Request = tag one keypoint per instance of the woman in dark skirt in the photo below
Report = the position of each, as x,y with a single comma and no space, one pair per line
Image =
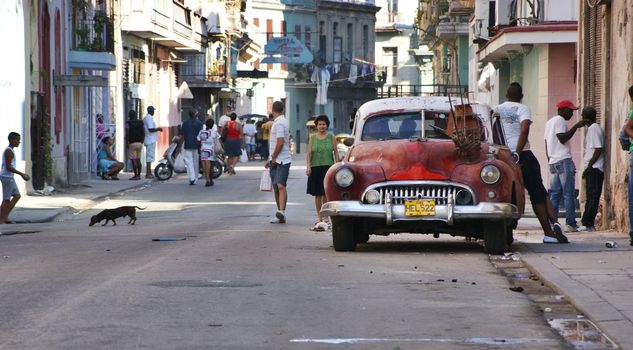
321,155
234,142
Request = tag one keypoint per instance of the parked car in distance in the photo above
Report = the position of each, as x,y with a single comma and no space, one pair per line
424,165
341,147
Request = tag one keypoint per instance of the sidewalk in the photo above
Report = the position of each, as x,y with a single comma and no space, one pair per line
597,280
39,209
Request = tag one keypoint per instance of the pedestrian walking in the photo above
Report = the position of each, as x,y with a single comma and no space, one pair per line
515,120
561,164
151,137
134,136
190,129
234,142
224,118
628,129
593,165
268,123
280,159
207,138
10,191
322,153
249,138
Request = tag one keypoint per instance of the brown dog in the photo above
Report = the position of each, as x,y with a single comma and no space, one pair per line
111,214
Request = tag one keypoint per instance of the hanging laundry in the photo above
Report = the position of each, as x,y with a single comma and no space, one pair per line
353,73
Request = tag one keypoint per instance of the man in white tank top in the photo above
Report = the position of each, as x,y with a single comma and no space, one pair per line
10,192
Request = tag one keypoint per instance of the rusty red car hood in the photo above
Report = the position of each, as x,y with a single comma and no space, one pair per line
410,160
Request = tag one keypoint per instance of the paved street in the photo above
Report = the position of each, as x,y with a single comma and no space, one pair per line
238,282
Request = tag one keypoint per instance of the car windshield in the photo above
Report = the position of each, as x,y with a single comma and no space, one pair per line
405,126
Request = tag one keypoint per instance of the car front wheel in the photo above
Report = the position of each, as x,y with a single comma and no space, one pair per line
495,237
343,234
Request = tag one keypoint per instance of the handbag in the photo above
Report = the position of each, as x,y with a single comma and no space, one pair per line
265,182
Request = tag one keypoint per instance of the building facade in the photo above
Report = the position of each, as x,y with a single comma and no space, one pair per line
406,67
604,76
533,43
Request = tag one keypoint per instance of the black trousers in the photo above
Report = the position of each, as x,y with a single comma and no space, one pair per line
593,187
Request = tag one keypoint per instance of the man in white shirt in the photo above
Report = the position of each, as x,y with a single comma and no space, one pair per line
151,136
515,120
249,137
224,119
561,164
279,163
593,165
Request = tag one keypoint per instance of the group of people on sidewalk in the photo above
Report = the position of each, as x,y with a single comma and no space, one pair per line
515,120
138,133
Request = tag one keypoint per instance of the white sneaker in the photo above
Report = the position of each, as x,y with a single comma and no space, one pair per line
274,220
571,228
280,216
587,228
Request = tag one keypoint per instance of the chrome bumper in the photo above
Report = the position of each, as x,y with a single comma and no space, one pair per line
448,213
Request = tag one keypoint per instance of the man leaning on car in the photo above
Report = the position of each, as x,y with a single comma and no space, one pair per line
515,119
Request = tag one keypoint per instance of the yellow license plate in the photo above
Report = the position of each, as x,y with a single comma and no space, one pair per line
419,207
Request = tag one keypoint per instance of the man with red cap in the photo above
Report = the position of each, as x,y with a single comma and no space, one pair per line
561,164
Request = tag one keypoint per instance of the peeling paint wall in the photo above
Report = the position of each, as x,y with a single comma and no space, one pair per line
617,31
620,105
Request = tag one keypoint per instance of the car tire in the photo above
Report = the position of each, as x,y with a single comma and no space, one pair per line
361,236
509,235
495,237
343,234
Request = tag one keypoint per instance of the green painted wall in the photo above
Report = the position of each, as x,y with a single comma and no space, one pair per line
462,59
530,77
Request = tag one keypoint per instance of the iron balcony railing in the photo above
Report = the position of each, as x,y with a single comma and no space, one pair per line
95,35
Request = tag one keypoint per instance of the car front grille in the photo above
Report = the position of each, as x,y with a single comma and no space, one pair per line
400,192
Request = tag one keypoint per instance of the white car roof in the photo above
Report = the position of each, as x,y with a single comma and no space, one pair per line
415,104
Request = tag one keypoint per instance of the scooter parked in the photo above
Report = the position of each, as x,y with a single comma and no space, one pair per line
167,166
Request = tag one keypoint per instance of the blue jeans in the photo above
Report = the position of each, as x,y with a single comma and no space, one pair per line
563,174
631,195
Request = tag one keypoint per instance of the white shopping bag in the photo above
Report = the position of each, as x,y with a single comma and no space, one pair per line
179,163
265,182
244,157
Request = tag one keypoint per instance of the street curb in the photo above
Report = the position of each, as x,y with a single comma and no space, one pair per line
610,321
93,202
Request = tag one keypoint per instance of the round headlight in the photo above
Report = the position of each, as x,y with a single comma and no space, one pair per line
372,196
344,177
463,197
490,174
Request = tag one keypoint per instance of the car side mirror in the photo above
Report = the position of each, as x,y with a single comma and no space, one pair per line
349,141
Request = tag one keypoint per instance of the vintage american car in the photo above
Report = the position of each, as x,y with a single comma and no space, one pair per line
424,165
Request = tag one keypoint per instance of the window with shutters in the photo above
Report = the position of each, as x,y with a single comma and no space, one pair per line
593,64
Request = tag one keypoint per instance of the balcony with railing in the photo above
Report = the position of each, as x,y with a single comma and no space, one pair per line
461,7
523,24
356,2
198,73
167,22
92,41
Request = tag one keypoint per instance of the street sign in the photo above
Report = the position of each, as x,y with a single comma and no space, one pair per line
286,49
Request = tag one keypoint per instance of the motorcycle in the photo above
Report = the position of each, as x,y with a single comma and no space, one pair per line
166,167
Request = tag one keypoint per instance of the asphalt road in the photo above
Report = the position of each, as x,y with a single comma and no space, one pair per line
239,282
